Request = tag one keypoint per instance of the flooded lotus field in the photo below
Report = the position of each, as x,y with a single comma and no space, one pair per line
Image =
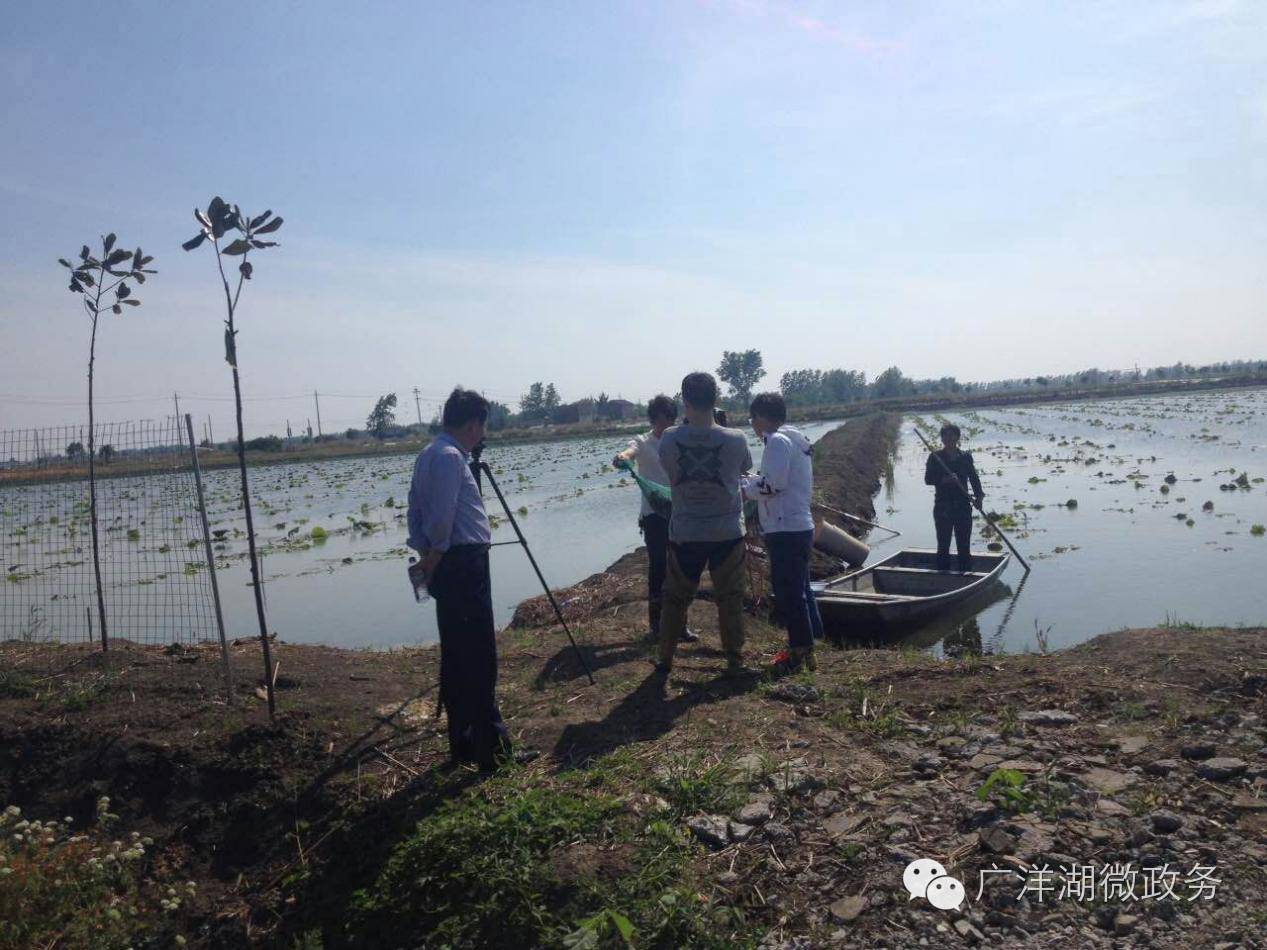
1132,513
332,535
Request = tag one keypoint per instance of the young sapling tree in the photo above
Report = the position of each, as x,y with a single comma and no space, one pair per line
101,283
218,221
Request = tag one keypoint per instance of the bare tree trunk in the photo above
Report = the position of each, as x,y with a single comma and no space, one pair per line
250,543
92,486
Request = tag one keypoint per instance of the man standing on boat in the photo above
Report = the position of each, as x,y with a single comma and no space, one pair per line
952,508
449,529
704,462
782,491
644,450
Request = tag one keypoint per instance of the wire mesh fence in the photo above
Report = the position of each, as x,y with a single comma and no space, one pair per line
154,568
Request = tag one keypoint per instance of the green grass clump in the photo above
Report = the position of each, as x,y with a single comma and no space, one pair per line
521,861
1258,530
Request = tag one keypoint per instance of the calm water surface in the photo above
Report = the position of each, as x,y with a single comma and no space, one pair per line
351,590
1135,550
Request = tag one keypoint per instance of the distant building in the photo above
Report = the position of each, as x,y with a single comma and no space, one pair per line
580,411
619,410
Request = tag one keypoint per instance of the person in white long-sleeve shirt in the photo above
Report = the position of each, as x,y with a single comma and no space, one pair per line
783,490
644,451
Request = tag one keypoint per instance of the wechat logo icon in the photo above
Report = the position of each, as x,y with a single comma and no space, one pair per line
928,879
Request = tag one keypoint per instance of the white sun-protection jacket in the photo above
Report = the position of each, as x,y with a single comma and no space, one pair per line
782,489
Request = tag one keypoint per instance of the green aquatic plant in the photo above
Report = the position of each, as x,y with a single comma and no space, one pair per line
1258,530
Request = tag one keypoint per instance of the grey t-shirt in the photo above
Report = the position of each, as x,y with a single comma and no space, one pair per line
704,464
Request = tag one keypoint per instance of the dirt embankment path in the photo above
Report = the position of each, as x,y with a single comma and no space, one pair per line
849,466
790,809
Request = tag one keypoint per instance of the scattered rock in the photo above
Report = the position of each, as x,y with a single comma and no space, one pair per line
996,841
713,830
797,693
826,799
778,832
847,909
1048,717
793,776
1246,802
1221,769
750,767
928,764
1161,767
754,813
968,932
740,832
1107,781
1130,745
1198,751
842,823
1124,924
1164,822
1108,808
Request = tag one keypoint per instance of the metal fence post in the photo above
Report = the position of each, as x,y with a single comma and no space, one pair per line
211,560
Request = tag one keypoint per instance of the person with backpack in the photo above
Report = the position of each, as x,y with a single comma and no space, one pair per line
644,451
782,491
704,462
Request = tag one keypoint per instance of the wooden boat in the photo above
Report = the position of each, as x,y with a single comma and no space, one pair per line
904,588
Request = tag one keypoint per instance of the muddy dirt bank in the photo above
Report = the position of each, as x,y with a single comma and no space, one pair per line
1141,747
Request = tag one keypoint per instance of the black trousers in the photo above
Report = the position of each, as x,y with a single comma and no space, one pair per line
655,531
463,593
956,521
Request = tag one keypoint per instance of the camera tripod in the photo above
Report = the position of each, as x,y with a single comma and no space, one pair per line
478,468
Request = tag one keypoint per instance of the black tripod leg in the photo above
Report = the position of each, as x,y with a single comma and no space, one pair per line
533,561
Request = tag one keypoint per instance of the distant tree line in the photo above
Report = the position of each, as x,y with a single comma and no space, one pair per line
741,371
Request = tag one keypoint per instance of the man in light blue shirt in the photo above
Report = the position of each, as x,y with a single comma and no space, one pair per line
450,531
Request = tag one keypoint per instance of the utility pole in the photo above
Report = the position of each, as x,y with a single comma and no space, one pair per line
176,399
316,400
210,437
418,406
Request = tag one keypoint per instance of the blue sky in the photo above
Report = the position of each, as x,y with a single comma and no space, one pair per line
608,195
